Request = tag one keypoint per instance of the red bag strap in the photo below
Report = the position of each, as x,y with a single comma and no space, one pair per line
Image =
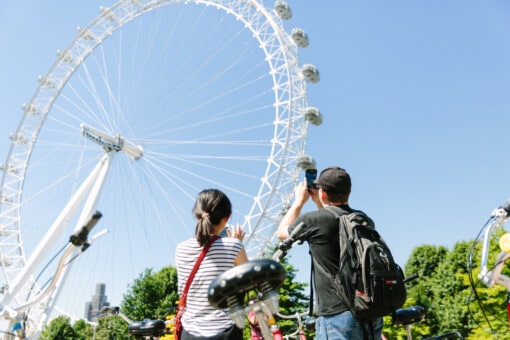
182,300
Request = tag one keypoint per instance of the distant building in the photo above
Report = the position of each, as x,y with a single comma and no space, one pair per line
98,302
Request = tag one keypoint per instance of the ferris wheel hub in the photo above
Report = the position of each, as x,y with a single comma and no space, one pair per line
111,143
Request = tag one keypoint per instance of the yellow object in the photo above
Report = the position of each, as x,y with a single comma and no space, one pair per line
504,242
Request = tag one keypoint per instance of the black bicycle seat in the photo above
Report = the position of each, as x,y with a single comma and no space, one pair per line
251,275
407,316
147,327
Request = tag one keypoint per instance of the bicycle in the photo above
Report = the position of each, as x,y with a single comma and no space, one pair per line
299,333
258,280
491,276
15,312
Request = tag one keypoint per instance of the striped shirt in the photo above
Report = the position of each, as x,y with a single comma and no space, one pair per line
200,319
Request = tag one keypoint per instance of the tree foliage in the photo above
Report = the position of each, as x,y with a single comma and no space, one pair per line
152,295
292,299
111,328
83,329
59,329
445,289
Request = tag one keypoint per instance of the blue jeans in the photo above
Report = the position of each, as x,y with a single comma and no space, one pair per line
344,326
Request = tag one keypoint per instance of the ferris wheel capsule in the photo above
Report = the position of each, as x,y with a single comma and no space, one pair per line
282,9
313,115
306,162
300,37
310,72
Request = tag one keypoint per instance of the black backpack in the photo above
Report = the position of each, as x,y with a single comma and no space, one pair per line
368,281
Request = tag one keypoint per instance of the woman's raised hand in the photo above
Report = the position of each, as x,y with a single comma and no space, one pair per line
236,231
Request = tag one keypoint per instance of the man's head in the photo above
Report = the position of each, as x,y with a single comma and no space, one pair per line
335,181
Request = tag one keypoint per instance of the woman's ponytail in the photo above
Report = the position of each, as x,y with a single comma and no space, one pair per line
211,206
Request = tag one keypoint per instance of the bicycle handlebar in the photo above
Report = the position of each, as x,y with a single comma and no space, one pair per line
75,240
296,316
286,244
80,238
411,277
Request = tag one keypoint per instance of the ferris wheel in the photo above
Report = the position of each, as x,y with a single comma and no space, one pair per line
152,102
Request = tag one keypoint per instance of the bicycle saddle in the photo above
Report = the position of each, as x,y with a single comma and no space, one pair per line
147,327
407,316
262,274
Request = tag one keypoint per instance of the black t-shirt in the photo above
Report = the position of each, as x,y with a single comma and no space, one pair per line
320,231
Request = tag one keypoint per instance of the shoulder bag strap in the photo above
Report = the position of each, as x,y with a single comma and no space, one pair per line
182,300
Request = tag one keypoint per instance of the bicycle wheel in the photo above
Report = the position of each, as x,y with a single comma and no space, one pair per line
179,98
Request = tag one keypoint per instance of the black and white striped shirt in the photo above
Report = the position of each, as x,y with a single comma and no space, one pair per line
200,319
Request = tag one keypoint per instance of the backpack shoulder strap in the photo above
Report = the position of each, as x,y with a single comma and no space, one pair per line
362,219
345,216
341,215
334,210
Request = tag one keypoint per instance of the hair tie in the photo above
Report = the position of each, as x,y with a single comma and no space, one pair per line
205,214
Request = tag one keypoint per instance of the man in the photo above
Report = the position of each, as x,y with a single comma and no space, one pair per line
320,230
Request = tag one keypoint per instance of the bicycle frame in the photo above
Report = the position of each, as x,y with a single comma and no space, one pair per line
299,333
487,276
270,328
491,277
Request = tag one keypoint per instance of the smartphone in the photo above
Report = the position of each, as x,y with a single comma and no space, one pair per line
311,176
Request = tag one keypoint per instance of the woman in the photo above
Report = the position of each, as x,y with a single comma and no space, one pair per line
212,210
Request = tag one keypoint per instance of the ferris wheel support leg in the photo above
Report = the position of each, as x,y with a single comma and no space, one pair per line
95,179
87,211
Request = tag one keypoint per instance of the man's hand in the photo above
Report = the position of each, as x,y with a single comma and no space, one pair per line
301,194
314,194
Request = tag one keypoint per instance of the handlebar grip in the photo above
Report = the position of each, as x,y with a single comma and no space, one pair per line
506,207
296,230
278,255
411,277
79,238
287,243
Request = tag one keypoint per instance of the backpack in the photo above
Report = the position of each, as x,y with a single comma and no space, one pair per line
368,281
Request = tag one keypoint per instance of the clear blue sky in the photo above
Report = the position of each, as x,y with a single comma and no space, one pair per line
415,98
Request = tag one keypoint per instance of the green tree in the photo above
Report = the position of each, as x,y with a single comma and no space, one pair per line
83,329
59,329
423,261
111,328
292,298
152,295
